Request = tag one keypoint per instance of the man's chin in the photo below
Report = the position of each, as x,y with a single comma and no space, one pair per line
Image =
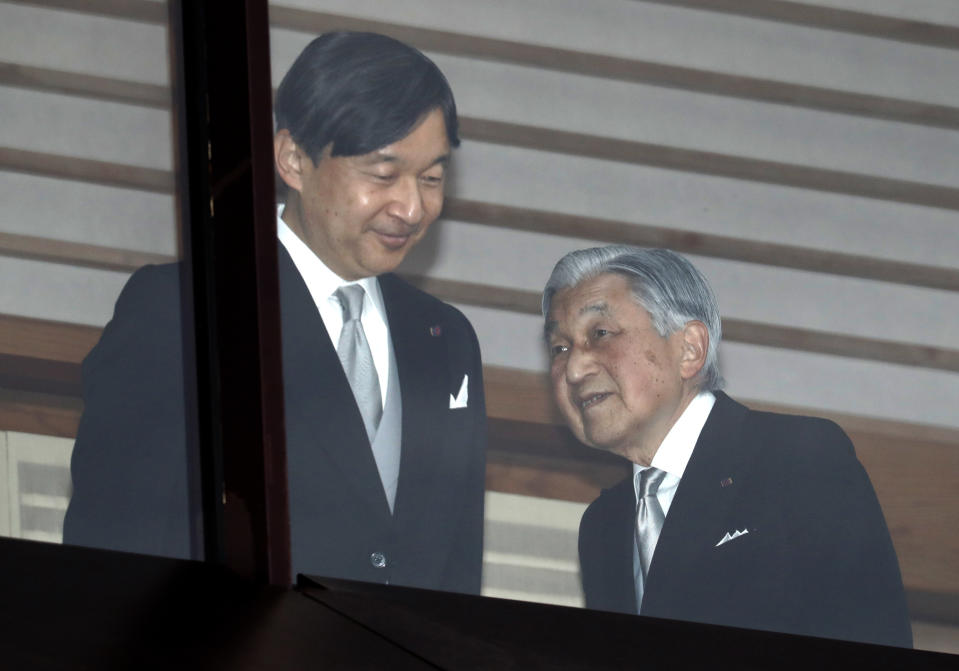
589,441
598,441
383,263
379,258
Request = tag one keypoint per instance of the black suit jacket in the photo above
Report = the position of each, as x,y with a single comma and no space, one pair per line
817,559
130,460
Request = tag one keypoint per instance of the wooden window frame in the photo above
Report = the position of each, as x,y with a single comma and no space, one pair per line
225,188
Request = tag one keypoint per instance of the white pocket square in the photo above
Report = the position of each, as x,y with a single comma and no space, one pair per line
732,536
461,399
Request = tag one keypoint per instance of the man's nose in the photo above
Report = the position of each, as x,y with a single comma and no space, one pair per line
407,201
580,364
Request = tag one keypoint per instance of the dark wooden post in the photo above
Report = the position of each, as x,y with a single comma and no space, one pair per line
224,103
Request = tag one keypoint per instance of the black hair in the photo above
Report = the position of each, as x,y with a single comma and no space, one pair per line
359,92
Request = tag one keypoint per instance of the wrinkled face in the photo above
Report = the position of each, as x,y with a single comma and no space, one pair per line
362,214
618,383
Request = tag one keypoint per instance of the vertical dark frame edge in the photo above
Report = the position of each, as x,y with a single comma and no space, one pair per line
186,21
268,291
224,107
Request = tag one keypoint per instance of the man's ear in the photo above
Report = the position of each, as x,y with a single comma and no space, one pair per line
288,159
694,348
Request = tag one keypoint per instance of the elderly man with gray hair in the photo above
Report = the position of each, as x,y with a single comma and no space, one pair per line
732,517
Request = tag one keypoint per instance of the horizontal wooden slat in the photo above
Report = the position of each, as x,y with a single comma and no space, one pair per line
854,22
39,375
502,216
709,163
808,340
46,340
519,395
624,69
546,461
528,302
735,330
89,86
483,295
515,395
532,137
43,414
77,254
703,244
524,396
131,10
935,620
830,18
595,65
86,170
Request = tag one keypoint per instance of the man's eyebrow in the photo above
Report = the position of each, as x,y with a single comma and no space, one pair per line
386,157
442,159
378,157
601,308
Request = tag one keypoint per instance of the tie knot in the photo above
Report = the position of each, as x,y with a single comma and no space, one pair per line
351,300
649,481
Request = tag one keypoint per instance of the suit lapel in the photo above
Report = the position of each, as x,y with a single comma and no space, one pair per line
618,569
424,375
709,486
321,413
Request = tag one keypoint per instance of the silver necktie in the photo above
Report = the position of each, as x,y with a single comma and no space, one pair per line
649,517
354,352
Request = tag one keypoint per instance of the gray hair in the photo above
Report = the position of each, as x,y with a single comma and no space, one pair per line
664,283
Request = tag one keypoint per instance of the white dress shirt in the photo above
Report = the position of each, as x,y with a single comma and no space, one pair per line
676,449
672,456
323,283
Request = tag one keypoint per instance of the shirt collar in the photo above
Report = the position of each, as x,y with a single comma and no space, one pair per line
677,447
320,280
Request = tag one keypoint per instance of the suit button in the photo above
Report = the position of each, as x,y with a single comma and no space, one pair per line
378,559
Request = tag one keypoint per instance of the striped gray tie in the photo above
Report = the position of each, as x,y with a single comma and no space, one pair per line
354,352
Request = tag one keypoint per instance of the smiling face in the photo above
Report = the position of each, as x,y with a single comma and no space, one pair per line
619,384
362,214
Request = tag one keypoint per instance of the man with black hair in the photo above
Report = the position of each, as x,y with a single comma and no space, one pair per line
385,414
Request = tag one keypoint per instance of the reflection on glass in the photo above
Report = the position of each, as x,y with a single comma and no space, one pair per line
79,238
541,480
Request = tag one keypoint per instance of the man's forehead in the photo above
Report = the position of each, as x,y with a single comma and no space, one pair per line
596,294
580,302
426,143
577,309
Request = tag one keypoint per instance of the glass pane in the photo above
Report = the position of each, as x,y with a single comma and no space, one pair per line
760,145
90,300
